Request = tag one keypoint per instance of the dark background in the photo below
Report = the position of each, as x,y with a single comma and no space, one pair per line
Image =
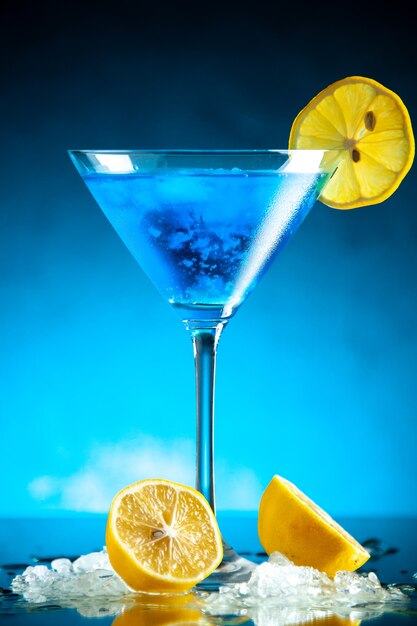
316,376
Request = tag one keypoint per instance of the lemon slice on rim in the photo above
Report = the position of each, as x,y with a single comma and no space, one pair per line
291,523
162,536
369,127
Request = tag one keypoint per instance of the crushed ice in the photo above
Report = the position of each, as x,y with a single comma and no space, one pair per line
278,583
91,575
275,584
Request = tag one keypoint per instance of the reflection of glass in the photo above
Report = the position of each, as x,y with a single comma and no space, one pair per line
205,226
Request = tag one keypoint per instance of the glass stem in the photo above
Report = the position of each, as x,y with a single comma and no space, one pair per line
205,347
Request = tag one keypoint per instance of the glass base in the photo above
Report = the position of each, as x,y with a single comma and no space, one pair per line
232,569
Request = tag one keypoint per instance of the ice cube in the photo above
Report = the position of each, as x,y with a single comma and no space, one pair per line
62,566
279,559
92,561
279,576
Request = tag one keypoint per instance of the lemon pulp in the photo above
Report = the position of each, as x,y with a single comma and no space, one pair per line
162,536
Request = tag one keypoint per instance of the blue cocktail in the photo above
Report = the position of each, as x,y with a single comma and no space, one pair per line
205,237
205,226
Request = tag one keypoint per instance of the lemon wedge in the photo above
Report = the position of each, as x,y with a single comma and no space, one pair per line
370,129
162,536
290,523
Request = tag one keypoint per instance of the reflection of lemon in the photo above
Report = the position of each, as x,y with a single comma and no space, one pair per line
162,536
324,620
155,615
143,616
290,523
332,620
171,610
369,127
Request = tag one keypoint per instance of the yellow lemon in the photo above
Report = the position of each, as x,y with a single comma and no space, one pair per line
370,129
162,536
290,523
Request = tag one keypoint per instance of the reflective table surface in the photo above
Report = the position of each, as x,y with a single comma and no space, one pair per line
23,542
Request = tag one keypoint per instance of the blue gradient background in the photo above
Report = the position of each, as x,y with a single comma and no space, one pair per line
317,372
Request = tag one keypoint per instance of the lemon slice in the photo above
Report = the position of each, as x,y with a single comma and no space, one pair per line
369,127
162,536
290,523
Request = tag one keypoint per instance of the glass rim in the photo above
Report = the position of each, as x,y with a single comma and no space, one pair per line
203,151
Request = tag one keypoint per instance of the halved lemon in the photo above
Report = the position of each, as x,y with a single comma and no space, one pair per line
291,523
370,129
162,536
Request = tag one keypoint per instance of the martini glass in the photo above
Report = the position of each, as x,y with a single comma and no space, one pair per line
205,226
